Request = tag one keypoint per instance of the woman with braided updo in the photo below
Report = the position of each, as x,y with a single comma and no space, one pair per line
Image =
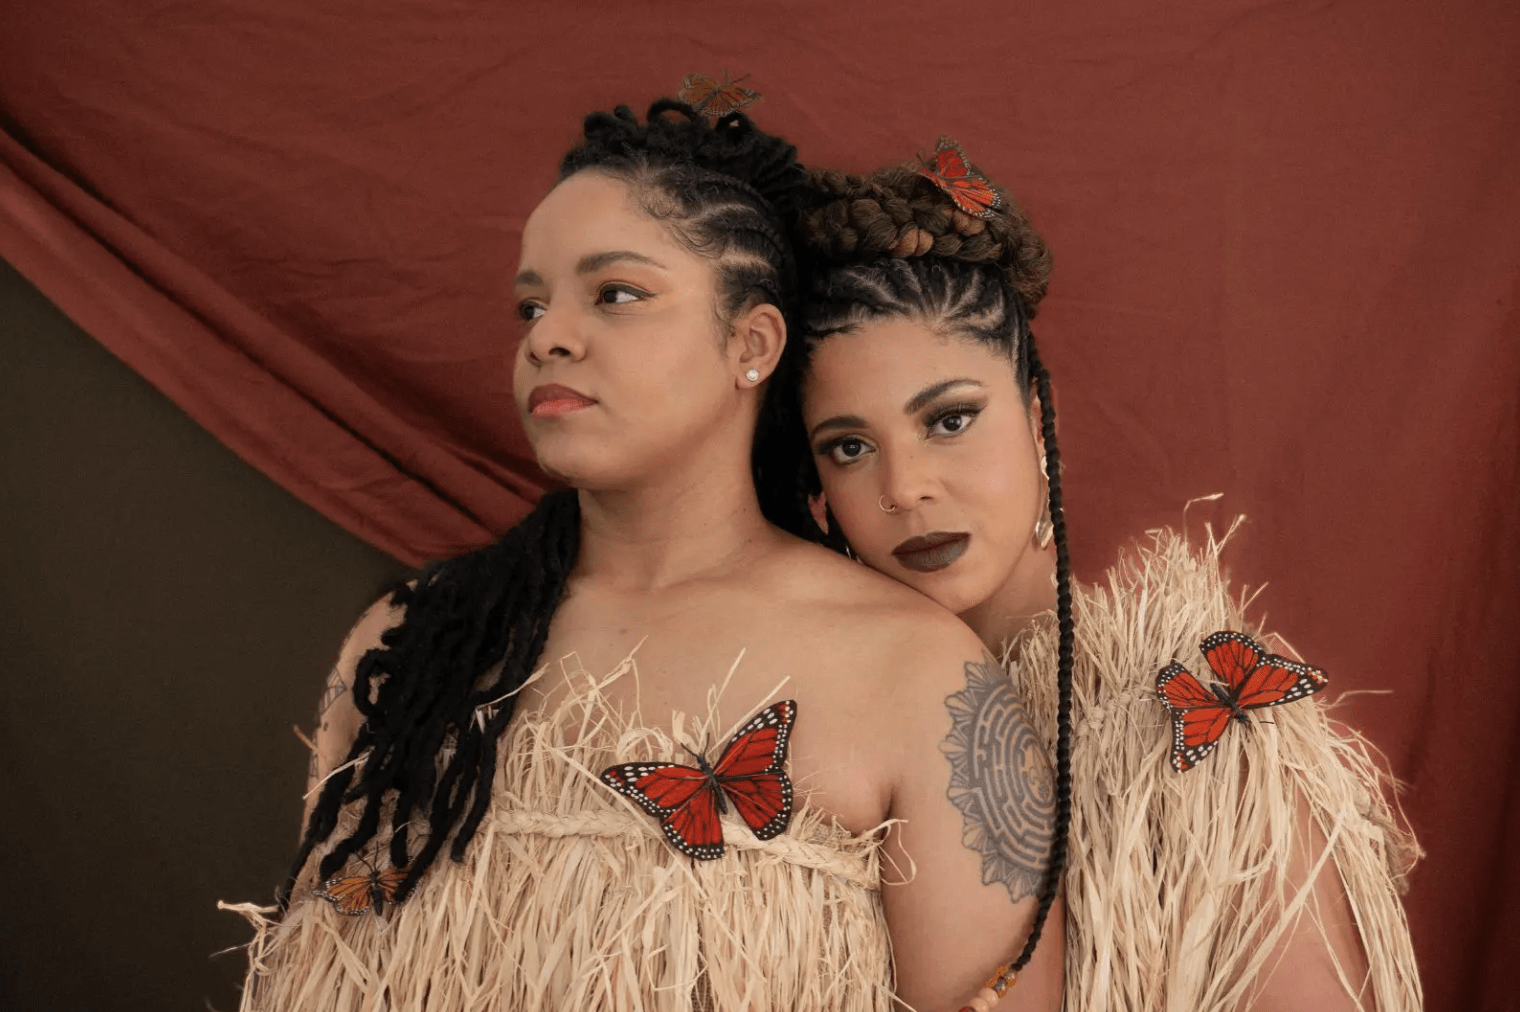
923,442
523,782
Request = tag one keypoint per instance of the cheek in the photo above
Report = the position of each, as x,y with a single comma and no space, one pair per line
852,502
1000,489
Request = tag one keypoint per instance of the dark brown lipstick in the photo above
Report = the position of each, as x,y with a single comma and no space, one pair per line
933,551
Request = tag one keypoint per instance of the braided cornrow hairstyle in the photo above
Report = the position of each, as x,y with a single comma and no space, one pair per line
893,244
438,691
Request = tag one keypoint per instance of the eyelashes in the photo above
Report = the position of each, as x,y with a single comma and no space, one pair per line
848,449
530,310
968,412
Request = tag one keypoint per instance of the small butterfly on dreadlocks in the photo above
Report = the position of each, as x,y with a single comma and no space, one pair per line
715,98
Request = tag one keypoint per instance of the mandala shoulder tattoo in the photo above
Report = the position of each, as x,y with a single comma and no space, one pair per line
999,779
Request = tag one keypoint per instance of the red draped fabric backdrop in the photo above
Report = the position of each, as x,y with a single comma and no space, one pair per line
1287,242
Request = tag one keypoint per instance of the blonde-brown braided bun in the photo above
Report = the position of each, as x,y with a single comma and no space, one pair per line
898,212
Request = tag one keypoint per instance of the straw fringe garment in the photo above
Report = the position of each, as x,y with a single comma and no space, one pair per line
1176,888
1175,892
570,898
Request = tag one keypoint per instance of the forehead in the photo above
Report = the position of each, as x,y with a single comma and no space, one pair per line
590,213
882,364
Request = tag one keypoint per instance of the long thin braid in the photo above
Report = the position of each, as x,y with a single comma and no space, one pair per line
892,244
429,685
1066,653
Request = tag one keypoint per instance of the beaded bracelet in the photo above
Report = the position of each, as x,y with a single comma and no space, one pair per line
995,988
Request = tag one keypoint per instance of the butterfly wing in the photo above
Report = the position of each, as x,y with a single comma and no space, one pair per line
384,886
1233,656
728,98
967,188
763,801
659,788
349,894
750,770
696,90
694,829
713,98
760,745
1257,678
1198,717
1180,691
680,797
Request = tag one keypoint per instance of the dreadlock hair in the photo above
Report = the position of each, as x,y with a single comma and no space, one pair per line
891,245
438,691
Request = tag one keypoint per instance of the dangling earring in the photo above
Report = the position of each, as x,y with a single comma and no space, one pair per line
1044,527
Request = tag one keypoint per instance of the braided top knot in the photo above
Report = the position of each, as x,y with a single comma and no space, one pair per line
898,212
725,190
676,134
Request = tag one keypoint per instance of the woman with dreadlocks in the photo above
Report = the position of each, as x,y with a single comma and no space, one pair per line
1263,875
512,816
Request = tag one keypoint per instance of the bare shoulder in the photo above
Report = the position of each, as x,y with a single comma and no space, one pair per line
338,719
966,779
872,614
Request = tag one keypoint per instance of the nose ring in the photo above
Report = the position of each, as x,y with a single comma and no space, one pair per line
881,504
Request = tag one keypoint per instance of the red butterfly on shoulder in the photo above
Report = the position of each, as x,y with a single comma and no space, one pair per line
369,890
952,172
687,801
1251,678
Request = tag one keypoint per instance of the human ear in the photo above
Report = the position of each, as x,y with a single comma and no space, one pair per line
818,506
1037,425
759,335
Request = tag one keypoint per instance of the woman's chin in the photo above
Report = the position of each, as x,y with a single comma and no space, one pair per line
573,471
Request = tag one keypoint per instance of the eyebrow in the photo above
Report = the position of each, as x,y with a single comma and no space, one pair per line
838,422
593,262
915,404
921,399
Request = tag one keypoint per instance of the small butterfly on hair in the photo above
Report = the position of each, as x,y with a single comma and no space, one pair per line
370,890
714,98
688,800
1251,677
952,172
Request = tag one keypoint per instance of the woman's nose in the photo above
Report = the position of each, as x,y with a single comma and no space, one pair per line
554,335
910,480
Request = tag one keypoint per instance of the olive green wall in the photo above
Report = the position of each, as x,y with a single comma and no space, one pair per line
167,614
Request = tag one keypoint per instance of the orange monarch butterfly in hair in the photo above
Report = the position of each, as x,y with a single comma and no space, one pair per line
951,171
369,890
1252,679
688,801
705,95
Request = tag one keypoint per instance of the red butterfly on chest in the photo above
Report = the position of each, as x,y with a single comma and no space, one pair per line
1251,678
688,801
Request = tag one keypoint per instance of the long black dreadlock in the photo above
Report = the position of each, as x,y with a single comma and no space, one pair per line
437,692
892,245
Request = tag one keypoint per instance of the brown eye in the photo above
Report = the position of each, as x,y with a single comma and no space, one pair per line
847,449
953,421
618,295
529,311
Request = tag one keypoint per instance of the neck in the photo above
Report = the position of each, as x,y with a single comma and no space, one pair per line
1028,593
651,538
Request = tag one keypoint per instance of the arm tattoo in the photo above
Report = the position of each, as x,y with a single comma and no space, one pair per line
999,779
335,688
330,695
